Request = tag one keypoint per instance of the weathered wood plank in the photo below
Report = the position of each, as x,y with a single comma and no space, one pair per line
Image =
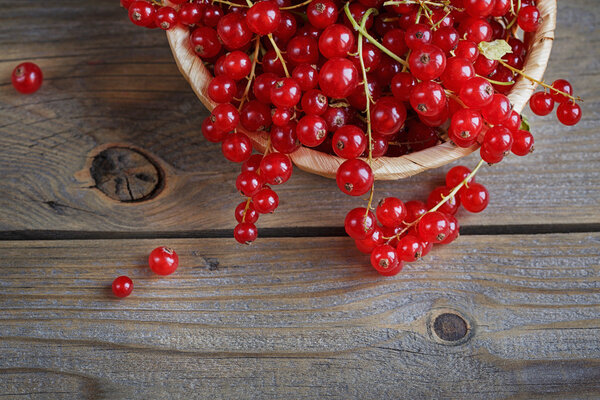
302,318
109,82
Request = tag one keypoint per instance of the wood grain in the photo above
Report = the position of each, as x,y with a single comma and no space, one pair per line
111,83
301,319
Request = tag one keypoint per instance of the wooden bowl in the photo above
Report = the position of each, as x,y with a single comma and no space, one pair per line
384,168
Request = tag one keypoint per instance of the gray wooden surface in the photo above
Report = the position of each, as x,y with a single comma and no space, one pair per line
511,310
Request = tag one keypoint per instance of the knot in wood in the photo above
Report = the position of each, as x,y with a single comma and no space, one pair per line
450,327
125,174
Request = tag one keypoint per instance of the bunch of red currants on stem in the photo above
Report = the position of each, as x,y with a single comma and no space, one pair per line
363,79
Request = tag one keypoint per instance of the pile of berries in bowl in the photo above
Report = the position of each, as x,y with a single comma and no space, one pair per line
366,90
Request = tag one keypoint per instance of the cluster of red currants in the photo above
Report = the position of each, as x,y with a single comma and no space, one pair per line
360,80
409,230
162,261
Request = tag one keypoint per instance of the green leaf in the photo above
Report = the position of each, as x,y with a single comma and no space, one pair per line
495,50
525,123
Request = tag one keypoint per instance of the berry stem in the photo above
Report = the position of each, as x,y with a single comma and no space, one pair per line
441,203
370,38
500,83
252,72
541,83
279,55
307,2
230,3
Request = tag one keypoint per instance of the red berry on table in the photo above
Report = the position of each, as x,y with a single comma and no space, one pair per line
122,286
437,195
245,233
541,103
498,140
245,213
474,198
384,258
390,212
454,230
354,177
562,86
249,183
163,260
569,113
27,78
433,227
236,147
409,248
265,200
414,209
276,168
456,175
373,240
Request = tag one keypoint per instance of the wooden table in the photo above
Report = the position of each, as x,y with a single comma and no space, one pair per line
107,161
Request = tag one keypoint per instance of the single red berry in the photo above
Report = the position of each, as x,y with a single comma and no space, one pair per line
428,98
417,35
489,156
498,110
221,89
246,214
302,50
465,127
354,177
467,49
306,76
373,240
513,122
359,223
387,115
476,30
498,140
456,175
27,78
475,198
205,42
384,258
394,41
569,113
311,130
245,232
433,227
409,248
402,85
414,209
477,92
479,8
458,71
122,286
234,31
336,40
211,132
265,200
237,147
237,65
190,14
435,197
522,143
454,229
541,103
142,13
529,18
255,116
314,102
427,62
263,17
322,13
446,38
390,212
349,141
276,168
252,164
338,77
249,183
284,138
286,93
166,18
163,260
562,86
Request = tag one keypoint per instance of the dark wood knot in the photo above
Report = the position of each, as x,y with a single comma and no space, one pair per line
126,175
450,327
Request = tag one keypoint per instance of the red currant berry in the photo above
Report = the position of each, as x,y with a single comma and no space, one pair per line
166,18
417,35
322,13
263,17
142,13
393,40
27,78
284,138
454,230
569,113
252,164
306,76
513,122
237,65
522,143
467,49
465,126
236,147
458,71
563,86
387,116
498,110
437,195
314,102
402,85
498,140
456,175
446,38
529,18
234,31
433,227
122,286
359,224
286,93
221,89
477,92
414,209
354,177
249,183
211,132
245,233
390,212
373,240
338,77
428,99
349,142
311,130
245,213
276,168
488,156
336,41
384,258
255,116
427,62
265,201
225,117
474,198
303,50
409,248
476,30
191,13
286,29
205,42
541,103
479,8
163,260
